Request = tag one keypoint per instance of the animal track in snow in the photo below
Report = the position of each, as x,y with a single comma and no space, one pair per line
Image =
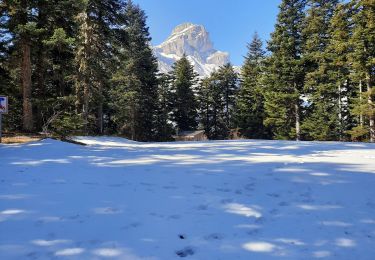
185,252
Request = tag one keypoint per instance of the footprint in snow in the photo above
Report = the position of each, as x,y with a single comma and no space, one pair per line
116,185
274,212
214,236
273,195
284,204
202,207
224,190
169,187
90,183
174,217
225,201
185,252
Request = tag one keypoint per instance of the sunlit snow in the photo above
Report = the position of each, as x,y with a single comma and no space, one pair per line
119,199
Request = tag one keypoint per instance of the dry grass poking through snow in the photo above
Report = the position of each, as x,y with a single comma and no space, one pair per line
20,139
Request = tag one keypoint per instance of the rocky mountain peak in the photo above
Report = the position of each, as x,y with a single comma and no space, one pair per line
182,27
194,41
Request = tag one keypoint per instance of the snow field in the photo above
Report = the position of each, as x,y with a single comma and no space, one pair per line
117,199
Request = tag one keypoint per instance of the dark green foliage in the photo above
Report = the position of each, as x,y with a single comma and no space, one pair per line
66,124
217,100
250,100
185,104
362,60
325,82
164,127
135,92
86,67
94,58
284,72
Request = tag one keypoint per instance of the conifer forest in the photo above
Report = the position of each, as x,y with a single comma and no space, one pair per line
86,67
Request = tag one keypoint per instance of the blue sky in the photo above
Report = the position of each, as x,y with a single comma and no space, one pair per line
231,24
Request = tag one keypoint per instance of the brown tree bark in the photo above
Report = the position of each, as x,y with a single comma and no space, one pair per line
371,116
298,122
26,87
26,73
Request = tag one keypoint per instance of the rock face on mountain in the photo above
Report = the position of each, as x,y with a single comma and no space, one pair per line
194,41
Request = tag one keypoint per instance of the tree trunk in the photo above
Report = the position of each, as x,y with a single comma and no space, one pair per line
100,117
298,123
86,102
371,116
26,86
360,102
340,112
26,71
132,122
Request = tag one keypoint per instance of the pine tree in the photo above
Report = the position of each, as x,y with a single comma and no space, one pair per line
217,101
93,56
323,118
23,30
363,64
284,72
136,84
28,26
9,85
250,100
338,70
164,127
54,59
212,109
185,104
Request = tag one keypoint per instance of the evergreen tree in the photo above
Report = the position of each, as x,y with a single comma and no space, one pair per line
185,104
323,121
250,100
212,108
38,82
363,66
217,100
338,70
94,59
54,60
227,79
9,80
23,29
284,72
164,127
136,84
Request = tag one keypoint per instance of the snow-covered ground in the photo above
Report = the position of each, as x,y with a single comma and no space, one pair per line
117,199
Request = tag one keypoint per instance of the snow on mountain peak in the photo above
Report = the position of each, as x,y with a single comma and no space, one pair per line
193,41
182,27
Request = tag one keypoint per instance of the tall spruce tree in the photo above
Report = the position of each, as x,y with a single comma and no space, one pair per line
93,57
185,103
136,83
250,101
9,77
23,29
324,99
338,68
164,127
284,72
217,101
53,87
31,28
363,66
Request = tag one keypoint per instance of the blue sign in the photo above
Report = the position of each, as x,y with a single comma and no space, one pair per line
3,105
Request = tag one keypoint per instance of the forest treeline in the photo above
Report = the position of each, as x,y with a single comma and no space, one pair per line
87,67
